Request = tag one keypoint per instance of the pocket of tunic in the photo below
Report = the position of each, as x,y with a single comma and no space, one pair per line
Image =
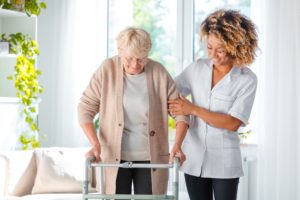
223,97
221,103
231,140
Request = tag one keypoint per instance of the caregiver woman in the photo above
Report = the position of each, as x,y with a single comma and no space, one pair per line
223,90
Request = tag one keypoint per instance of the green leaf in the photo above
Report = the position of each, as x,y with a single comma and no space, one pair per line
28,120
25,111
41,90
33,127
43,5
14,50
25,147
35,144
36,51
34,43
32,109
9,78
23,139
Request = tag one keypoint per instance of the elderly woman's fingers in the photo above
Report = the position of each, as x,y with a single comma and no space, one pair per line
175,106
173,101
175,110
93,152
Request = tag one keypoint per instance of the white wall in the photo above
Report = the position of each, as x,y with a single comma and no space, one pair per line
46,62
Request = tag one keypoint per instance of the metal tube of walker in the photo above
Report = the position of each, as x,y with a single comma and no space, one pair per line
176,178
85,183
89,164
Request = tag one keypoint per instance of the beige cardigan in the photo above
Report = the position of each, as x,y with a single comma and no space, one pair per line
104,95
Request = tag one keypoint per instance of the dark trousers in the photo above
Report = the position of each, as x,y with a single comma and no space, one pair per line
140,177
204,188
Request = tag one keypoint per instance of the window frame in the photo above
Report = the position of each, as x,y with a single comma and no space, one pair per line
185,33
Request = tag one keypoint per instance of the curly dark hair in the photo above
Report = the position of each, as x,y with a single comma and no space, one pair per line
236,31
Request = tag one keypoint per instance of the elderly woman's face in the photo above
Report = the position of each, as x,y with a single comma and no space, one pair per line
217,52
133,65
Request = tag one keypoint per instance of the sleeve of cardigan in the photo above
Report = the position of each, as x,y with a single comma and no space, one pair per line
90,100
174,94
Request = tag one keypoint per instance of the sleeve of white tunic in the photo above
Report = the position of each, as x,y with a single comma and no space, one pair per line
183,81
243,103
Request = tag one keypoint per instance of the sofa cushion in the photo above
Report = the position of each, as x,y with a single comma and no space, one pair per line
60,170
20,172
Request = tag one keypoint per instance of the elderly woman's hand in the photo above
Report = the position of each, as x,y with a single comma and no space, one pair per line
95,151
180,106
176,151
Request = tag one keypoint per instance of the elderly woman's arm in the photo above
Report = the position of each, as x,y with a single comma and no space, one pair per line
182,124
91,134
181,129
87,109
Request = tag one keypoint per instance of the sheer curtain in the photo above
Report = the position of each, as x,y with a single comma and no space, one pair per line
72,38
278,96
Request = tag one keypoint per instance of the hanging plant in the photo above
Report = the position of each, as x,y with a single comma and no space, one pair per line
26,83
30,7
33,7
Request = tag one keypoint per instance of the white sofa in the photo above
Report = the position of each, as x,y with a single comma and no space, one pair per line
43,174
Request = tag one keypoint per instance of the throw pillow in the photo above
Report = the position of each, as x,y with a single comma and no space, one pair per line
20,172
60,170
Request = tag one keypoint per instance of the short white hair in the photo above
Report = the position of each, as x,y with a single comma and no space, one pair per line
136,41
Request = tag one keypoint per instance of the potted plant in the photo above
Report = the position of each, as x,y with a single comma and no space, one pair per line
33,7
26,83
30,7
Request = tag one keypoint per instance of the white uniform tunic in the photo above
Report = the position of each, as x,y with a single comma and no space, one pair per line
215,152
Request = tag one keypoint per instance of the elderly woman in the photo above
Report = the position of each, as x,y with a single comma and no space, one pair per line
223,90
130,93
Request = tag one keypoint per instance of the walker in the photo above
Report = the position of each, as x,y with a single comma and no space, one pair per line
88,164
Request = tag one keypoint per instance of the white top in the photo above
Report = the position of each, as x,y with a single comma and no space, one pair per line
210,151
135,140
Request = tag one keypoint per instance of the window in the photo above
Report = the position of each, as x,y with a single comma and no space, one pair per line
157,17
